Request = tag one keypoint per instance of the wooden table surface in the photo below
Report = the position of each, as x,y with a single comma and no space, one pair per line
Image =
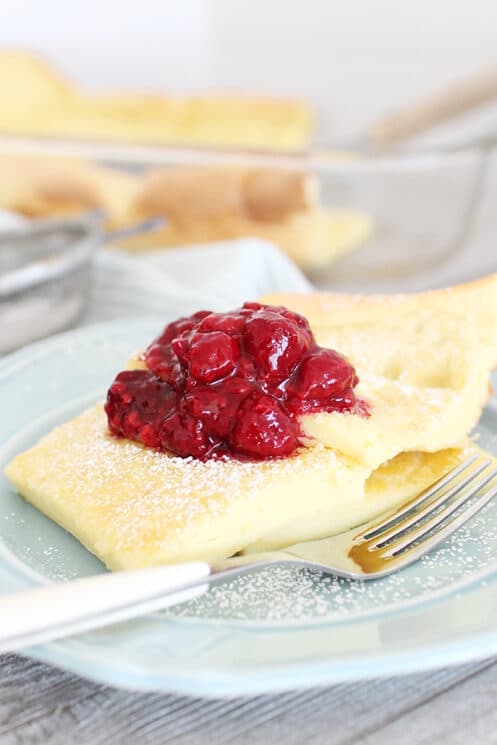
39,704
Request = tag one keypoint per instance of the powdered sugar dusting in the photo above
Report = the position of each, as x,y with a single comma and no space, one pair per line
290,595
118,496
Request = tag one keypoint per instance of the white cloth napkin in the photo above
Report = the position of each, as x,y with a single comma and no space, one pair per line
215,276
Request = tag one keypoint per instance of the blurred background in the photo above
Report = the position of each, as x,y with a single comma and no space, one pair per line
358,138
353,59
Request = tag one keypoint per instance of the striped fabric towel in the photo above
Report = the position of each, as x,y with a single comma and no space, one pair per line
176,282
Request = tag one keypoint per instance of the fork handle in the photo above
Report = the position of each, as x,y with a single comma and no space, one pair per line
58,610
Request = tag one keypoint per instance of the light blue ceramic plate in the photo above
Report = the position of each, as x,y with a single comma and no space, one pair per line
273,630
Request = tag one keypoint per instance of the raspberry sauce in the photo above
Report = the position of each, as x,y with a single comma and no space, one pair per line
231,384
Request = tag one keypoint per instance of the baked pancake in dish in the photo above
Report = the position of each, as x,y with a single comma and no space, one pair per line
238,432
199,204
35,99
207,204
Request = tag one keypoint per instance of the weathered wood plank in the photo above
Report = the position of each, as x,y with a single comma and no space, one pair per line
39,704
462,714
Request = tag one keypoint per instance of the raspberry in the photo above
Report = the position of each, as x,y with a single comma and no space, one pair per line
323,374
217,407
276,343
179,327
230,323
181,347
213,356
183,435
301,322
253,305
164,362
137,402
263,429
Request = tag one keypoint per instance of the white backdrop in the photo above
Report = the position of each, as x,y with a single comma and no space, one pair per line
355,58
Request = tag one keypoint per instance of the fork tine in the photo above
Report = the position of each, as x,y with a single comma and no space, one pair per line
383,524
427,526
407,557
426,508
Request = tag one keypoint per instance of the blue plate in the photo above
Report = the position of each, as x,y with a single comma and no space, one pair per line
273,630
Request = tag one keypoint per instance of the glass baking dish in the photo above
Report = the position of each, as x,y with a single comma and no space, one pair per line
389,222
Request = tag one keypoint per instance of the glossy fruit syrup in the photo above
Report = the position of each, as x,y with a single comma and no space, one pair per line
231,384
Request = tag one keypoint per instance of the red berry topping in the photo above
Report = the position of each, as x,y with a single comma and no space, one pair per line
182,434
217,406
213,356
164,362
181,346
137,403
176,328
263,429
231,383
323,374
276,343
230,323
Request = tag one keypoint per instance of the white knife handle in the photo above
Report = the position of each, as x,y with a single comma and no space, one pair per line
58,610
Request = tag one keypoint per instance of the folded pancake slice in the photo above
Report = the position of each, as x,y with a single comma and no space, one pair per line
135,507
423,361
391,484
